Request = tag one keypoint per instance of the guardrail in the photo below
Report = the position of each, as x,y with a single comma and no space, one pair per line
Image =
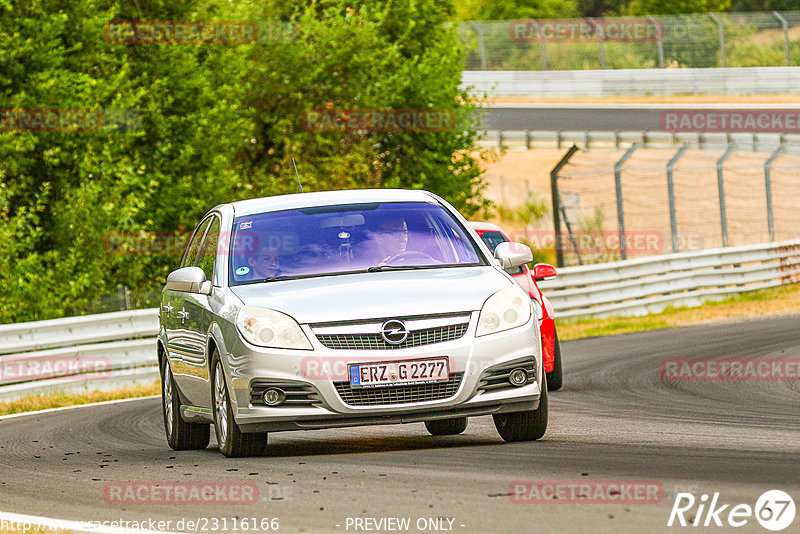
115,350
648,285
94,352
586,139
634,82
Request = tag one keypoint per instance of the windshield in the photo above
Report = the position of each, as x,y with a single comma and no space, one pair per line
347,238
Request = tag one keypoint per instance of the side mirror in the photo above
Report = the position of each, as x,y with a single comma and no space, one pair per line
511,254
544,271
189,280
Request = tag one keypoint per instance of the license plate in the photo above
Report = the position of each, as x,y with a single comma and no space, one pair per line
382,374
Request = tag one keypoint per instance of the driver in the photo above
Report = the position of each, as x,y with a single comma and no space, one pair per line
263,265
391,238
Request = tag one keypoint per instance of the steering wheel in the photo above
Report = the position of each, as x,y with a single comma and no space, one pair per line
410,255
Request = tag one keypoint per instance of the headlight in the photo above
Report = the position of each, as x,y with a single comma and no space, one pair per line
270,328
508,308
537,309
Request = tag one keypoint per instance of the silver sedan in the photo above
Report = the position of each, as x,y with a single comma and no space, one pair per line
345,308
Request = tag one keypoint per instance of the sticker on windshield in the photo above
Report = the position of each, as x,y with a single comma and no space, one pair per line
241,271
246,225
343,235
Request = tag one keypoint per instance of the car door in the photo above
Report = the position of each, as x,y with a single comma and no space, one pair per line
182,343
198,317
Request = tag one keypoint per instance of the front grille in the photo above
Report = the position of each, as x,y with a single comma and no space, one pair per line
298,394
398,394
496,377
415,338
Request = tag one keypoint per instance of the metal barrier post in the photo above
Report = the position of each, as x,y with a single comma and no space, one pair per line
660,41
623,252
481,44
673,221
556,201
785,26
721,39
723,216
768,189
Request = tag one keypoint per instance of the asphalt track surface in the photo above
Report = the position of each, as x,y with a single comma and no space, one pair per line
615,419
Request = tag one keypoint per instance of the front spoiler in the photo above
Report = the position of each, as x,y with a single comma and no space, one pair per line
314,422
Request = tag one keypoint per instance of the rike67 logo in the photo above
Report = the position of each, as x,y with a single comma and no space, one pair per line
774,510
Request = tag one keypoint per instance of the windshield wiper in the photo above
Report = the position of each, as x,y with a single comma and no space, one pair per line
379,268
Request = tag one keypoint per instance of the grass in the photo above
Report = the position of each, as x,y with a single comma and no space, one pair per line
57,400
782,299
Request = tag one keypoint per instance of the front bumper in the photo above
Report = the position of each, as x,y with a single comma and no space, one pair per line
469,357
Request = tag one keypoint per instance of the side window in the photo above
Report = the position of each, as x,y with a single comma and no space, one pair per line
208,251
190,256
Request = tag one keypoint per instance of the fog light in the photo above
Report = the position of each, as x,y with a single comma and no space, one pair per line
274,396
518,377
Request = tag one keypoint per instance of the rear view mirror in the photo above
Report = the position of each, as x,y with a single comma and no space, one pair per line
189,280
544,271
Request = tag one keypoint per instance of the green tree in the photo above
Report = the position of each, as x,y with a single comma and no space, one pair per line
515,9
217,123
675,7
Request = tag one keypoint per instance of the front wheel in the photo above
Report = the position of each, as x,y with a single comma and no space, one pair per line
181,436
446,427
524,426
233,443
555,378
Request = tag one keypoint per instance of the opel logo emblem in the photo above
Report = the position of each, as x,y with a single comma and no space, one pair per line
394,332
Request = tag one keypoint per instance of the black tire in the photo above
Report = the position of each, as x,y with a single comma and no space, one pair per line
555,378
446,427
233,443
181,436
524,426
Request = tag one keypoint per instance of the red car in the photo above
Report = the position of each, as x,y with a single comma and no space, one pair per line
492,235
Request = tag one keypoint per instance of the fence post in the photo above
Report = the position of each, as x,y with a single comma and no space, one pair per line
481,44
556,201
721,39
673,221
768,189
623,252
660,41
723,216
542,45
785,26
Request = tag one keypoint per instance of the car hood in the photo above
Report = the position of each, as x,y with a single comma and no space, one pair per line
377,295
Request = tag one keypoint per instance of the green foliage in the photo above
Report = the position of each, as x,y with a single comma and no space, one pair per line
674,7
218,123
515,9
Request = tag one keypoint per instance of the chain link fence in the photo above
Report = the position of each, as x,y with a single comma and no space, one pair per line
621,204
664,41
